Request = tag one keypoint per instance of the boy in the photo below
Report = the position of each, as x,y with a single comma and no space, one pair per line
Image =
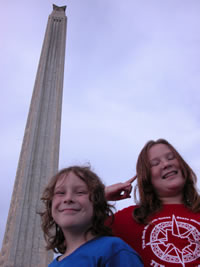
73,222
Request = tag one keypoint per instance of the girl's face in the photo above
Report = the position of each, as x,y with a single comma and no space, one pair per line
71,206
166,175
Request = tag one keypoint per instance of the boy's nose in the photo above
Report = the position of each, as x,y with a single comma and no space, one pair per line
68,197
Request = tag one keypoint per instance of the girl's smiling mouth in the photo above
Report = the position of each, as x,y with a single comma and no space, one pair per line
169,174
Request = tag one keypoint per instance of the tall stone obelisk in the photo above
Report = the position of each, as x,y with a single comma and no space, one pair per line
23,244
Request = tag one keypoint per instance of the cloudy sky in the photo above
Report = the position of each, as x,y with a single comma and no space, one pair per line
132,73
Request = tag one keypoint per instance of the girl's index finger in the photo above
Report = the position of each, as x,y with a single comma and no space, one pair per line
132,179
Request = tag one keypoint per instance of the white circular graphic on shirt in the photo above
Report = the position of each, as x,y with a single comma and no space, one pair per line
175,241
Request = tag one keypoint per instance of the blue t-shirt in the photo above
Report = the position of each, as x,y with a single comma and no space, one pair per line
104,251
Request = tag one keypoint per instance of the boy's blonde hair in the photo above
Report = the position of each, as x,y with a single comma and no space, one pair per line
101,209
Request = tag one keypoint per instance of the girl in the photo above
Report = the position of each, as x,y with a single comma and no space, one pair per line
164,226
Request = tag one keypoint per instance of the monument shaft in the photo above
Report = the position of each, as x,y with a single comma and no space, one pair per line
23,244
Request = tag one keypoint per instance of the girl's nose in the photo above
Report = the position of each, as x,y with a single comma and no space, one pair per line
166,163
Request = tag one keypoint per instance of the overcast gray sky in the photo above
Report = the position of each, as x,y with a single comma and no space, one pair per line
132,73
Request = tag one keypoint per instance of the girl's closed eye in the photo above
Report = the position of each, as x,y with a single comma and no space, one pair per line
154,163
170,156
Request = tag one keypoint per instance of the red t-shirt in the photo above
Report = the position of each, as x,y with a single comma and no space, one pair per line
171,238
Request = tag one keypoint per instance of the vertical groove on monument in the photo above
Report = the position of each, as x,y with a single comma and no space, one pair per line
23,244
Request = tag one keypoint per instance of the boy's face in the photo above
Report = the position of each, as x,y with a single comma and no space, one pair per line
72,209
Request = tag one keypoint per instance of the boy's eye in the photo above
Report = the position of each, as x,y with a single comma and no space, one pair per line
81,192
59,193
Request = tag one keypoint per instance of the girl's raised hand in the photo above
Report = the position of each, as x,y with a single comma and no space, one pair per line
119,191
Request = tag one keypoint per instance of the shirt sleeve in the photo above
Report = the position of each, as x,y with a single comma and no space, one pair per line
124,258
